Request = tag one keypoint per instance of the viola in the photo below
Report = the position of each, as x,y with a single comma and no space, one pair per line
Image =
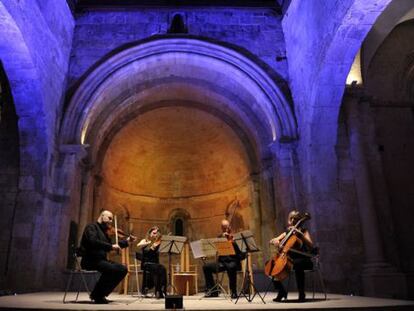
228,235
281,264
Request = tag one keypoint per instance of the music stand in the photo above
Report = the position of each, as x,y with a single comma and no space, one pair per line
171,244
246,243
213,247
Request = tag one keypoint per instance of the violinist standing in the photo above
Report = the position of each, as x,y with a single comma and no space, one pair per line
231,264
301,262
95,245
157,274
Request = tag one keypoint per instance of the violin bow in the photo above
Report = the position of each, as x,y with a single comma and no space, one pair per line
116,230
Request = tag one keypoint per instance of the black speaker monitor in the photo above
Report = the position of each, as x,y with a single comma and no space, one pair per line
174,302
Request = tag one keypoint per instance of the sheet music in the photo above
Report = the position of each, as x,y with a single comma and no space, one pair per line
172,243
205,247
245,241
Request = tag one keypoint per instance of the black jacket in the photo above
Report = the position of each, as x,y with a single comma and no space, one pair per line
95,244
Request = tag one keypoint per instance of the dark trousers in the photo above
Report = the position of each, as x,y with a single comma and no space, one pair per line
299,266
112,274
158,275
231,267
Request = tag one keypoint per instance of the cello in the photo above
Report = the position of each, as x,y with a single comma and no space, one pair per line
281,264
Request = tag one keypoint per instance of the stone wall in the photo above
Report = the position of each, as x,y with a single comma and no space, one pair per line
9,171
322,39
256,30
38,36
389,85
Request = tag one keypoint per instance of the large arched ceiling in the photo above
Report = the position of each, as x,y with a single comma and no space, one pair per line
178,70
175,152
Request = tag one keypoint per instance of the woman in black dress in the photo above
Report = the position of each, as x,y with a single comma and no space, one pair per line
155,274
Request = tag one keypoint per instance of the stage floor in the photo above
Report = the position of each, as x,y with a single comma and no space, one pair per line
53,301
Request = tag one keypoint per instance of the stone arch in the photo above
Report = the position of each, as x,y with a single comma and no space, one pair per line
270,102
397,12
318,82
329,84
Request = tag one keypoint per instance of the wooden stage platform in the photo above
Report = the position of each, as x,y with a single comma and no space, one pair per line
53,301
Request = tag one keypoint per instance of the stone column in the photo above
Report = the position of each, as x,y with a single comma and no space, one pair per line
267,208
86,201
286,180
379,278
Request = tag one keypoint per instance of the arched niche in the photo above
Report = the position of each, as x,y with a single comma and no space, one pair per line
178,73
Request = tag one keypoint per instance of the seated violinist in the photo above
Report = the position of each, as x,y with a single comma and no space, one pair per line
95,245
231,264
156,273
301,260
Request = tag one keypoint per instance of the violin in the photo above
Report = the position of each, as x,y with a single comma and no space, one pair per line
281,264
112,231
227,234
154,241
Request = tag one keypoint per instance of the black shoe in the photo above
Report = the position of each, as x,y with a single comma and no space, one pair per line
281,295
302,297
211,295
159,295
100,300
234,295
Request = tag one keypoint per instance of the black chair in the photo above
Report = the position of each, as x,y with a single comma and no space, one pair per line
315,272
77,270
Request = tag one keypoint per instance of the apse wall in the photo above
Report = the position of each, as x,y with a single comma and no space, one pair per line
176,159
257,30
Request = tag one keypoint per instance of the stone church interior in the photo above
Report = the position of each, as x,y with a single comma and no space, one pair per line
182,113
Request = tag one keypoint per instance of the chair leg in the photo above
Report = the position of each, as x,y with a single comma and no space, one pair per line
67,286
268,287
313,285
85,283
288,284
322,284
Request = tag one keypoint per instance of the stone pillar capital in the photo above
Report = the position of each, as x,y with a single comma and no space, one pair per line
77,150
279,148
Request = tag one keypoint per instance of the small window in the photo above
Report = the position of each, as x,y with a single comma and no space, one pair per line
179,227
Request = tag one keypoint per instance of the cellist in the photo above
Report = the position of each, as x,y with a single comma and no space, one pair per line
301,262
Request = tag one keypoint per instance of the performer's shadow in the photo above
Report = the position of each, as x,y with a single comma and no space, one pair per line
308,300
71,302
90,302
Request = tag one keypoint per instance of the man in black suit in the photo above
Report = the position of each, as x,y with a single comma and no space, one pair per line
230,263
95,245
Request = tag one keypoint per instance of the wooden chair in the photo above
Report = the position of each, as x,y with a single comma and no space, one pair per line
184,275
182,279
